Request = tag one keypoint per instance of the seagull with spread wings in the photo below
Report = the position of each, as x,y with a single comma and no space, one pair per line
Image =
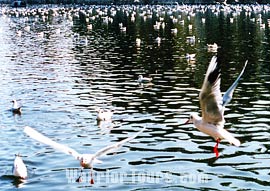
86,160
213,104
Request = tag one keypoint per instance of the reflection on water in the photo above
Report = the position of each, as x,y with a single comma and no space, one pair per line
61,63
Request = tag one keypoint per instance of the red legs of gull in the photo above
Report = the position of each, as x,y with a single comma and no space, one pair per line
216,147
79,179
91,176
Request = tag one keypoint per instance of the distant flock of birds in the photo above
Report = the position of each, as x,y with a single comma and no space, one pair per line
211,101
90,14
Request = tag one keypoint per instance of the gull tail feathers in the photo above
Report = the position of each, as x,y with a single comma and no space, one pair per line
228,136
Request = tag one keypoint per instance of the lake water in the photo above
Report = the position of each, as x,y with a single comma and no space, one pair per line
61,65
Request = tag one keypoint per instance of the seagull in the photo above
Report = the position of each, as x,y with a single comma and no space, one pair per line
213,105
19,169
190,57
104,115
191,40
86,160
174,31
212,47
16,108
89,27
142,79
158,40
138,42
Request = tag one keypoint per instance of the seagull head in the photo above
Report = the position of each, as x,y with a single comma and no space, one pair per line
140,77
99,110
192,118
87,160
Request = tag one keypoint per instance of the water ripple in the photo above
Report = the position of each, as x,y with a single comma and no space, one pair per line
60,69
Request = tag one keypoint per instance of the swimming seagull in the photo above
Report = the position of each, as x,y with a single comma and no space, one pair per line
138,42
19,169
190,57
212,106
104,115
16,108
142,79
86,160
212,47
158,40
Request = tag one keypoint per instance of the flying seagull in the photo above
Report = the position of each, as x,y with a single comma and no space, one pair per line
212,105
86,160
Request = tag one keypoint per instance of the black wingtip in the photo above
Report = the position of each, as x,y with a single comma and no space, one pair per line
214,75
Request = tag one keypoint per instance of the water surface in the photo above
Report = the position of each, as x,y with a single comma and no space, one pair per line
60,70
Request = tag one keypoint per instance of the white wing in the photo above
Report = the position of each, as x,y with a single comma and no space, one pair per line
114,146
47,141
210,95
229,93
